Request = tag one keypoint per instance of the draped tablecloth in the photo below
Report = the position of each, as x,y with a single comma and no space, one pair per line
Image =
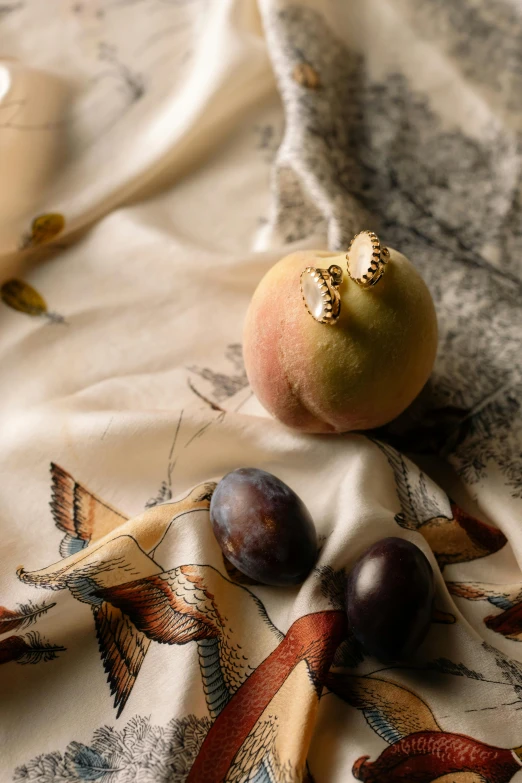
156,158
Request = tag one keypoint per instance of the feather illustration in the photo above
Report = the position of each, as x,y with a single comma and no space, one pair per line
20,296
23,617
29,649
256,759
511,669
87,763
195,603
140,749
420,498
333,585
224,385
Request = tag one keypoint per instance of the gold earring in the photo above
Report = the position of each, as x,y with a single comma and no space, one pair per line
367,259
320,292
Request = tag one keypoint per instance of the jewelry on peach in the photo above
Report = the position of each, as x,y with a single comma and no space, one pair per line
367,259
320,292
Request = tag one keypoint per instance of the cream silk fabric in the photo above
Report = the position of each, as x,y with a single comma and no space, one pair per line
188,145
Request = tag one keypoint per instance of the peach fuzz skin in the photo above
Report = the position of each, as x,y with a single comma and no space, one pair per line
358,374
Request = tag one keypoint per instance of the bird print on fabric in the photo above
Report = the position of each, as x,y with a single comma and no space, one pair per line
247,665
419,750
90,524
507,598
244,660
182,605
454,535
261,686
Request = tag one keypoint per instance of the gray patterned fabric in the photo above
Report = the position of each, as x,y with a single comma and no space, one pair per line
433,162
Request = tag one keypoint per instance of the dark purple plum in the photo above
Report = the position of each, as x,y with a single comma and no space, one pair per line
263,527
389,599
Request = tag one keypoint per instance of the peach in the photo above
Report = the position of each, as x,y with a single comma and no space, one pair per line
356,374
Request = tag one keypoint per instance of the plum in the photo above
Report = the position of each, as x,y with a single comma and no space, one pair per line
389,599
263,528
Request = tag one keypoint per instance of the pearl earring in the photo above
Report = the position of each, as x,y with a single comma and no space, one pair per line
320,291
367,259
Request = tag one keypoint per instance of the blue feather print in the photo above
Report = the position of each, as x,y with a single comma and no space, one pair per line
501,602
262,775
69,545
382,726
87,762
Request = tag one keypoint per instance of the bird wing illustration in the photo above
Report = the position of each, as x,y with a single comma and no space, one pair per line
420,498
79,513
135,538
123,649
86,519
168,607
453,535
171,609
391,710
461,539
197,603
122,646
502,596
